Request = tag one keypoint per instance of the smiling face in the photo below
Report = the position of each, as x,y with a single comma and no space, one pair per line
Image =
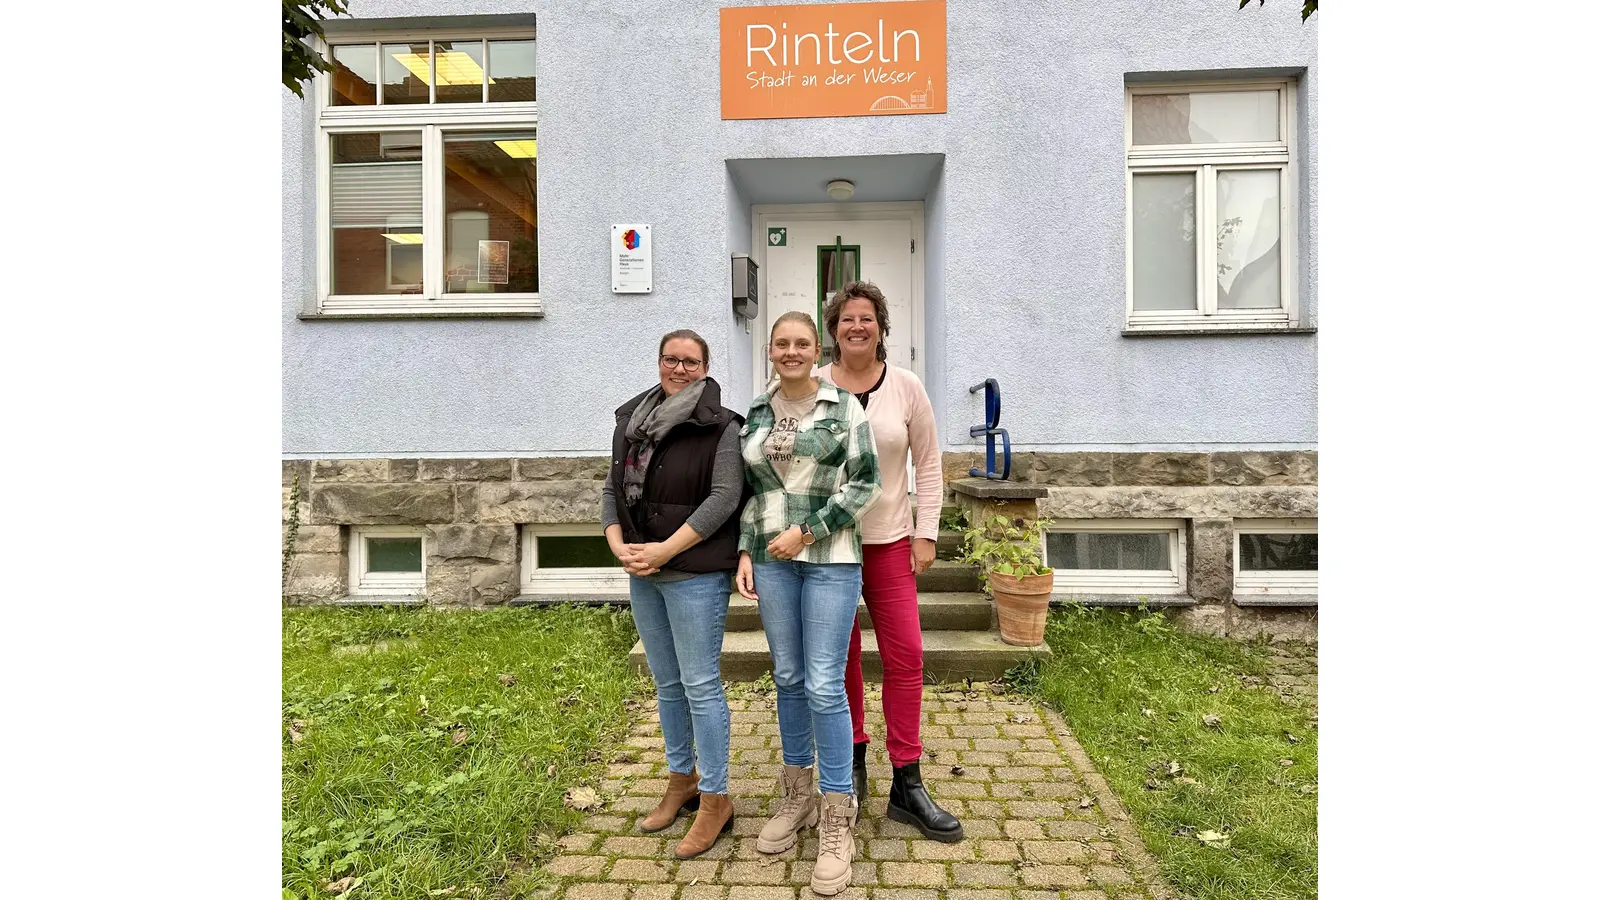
682,363
858,331
793,350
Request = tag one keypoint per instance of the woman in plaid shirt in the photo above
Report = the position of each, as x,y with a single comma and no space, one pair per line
810,459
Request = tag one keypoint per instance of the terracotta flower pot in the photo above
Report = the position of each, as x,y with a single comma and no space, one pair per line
1021,604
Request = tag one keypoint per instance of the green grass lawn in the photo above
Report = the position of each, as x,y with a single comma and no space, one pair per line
1137,693
427,753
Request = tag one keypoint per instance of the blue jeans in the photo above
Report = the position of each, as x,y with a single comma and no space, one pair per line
807,610
680,623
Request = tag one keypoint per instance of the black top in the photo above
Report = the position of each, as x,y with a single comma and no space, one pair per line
867,394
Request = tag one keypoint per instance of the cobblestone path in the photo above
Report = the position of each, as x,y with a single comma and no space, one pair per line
1040,821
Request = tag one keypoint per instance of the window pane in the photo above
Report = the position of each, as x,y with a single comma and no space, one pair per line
1247,240
511,71
1143,551
355,75
375,199
582,551
1205,118
460,68
399,554
1278,552
1163,242
491,244
405,73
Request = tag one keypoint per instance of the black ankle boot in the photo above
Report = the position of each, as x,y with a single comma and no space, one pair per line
858,774
909,803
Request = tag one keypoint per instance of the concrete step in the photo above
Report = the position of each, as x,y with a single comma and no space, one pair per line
969,611
946,577
946,655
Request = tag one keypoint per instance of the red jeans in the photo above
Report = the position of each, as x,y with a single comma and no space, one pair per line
890,589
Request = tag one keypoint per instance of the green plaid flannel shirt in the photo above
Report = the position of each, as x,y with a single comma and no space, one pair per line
832,481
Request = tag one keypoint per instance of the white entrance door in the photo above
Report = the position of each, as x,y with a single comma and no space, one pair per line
810,253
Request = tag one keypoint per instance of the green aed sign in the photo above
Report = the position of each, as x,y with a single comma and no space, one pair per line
777,237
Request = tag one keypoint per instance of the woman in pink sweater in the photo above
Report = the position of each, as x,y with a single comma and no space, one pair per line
895,550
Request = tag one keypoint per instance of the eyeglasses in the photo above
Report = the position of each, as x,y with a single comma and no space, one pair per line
689,365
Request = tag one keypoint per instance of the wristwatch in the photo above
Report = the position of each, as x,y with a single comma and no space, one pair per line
806,537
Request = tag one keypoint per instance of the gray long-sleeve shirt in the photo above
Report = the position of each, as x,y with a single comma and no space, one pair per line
727,486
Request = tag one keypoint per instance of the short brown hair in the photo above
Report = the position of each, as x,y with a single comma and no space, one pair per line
687,334
857,290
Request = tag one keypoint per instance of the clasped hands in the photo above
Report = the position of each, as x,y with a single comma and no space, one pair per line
642,559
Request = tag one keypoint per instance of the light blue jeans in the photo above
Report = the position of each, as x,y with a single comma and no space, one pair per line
807,610
680,623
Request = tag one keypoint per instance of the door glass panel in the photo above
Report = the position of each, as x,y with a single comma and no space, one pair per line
836,267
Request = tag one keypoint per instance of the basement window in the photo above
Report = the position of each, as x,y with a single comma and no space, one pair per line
387,561
1119,557
569,559
1275,562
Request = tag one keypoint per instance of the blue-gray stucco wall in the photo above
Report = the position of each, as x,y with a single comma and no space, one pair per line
1024,269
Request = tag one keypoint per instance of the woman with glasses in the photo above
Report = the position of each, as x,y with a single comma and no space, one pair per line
811,462
669,510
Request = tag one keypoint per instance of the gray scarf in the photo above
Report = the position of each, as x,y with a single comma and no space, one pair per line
655,415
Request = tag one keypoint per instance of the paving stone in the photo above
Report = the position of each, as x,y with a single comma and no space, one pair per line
653,892
639,870
975,731
934,850
1065,789
1022,829
980,828
985,874
1019,773
1072,830
985,758
1054,876
999,851
1039,752
577,843
753,872
1057,851
987,809
760,892
605,824
904,894
1085,895
999,745
1109,875
1029,730
1011,790
910,874
593,891
886,848
647,847
698,868
1036,809
703,892
568,866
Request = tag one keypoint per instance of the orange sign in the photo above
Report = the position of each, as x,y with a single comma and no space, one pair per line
833,59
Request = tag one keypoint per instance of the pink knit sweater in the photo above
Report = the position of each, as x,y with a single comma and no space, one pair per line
903,429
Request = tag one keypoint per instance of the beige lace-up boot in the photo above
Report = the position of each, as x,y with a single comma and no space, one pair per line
798,810
836,846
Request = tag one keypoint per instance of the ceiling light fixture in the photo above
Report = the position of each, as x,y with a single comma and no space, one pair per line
841,190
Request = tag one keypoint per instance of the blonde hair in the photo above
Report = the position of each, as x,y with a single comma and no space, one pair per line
796,316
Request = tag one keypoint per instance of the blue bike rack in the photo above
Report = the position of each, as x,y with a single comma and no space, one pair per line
990,428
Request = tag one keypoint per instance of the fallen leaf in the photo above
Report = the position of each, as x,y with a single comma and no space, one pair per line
550,772
957,770
1184,780
1148,713
1151,784
1308,789
1291,738
1086,802
443,892
1286,762
1213,839
422,705
1214,688
297,731
343,886
1174,768
581,798
1142,739
1212,720
508,679
1183,830
459,738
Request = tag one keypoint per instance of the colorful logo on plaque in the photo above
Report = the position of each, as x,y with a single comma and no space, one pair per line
631,239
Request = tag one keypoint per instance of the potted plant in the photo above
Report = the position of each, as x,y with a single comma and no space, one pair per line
1007,552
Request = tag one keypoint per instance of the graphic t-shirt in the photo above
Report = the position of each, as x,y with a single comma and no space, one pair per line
787,415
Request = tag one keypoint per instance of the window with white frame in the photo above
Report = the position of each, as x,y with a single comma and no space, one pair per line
1117,556
569,559
427,151
1210,206
1275,560
387,561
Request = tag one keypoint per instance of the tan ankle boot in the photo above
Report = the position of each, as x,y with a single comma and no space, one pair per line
797,810
682,793
714,819
836,845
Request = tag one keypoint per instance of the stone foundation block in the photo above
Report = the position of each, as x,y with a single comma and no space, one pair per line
1210,560
1276,624
1307,473
1288,501
1160,468
449,585
494,585
382,504
465,470
1209,619
316,578
563,468
516,503
320,539
1076,469
470,585
494,543
350,471
1255,468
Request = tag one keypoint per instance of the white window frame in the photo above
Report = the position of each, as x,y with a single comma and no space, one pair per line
1258,585
1071,583
1205,161
432,119
366,585
607,580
